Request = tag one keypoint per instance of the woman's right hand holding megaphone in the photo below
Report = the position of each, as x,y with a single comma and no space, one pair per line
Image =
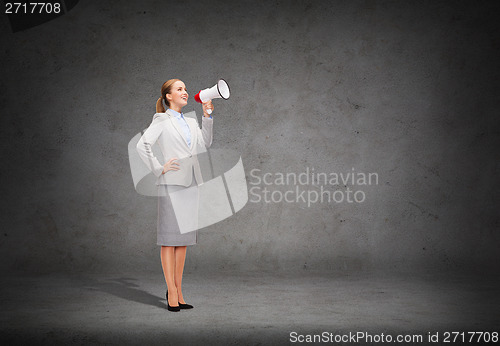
208,107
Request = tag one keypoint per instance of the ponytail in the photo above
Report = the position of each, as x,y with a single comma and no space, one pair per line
159,106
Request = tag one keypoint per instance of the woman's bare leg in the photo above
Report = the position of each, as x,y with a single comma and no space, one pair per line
180,258
167,256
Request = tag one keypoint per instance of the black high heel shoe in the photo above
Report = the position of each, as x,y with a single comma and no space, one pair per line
181,306
172,308
185,306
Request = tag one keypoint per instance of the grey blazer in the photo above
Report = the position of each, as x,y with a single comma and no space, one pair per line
166,130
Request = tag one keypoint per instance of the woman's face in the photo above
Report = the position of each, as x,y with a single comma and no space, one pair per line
178,95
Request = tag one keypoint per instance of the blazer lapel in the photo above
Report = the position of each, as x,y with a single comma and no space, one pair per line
193,133
175,122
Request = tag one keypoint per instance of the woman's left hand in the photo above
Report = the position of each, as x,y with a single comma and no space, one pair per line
206,106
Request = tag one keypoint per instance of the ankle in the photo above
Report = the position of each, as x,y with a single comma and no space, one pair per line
173,300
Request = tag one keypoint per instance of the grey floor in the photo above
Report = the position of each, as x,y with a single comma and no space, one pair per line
242,308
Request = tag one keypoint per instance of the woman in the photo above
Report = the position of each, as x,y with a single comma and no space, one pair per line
180,140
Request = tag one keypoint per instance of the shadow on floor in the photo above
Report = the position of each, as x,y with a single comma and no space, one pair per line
126,288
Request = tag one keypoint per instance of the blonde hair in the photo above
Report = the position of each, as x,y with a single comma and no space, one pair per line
165,89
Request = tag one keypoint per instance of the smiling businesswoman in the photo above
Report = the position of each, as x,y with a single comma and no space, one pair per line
180,140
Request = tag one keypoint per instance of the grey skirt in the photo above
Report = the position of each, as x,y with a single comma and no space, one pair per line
177,215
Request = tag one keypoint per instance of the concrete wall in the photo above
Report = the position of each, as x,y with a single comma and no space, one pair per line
405,90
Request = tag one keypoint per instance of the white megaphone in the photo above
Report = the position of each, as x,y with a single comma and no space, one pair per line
219,90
